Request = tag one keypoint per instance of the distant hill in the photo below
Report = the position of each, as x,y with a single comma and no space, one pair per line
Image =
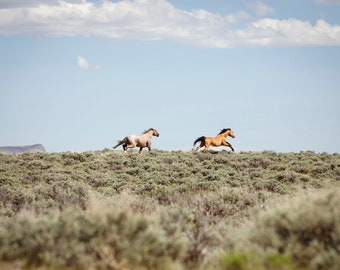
23,149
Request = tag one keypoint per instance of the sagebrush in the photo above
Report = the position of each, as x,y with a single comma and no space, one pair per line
170,210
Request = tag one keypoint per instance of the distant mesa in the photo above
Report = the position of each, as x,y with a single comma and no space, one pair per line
23,149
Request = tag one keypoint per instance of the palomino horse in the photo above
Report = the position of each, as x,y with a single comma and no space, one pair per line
141,141
219,140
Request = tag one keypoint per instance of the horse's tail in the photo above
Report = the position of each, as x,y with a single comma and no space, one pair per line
120,143
200,139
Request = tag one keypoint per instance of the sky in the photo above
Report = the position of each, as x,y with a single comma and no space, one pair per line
78,75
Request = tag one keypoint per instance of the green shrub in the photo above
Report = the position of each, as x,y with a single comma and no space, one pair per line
234,262
75,240
307,231
251,260
176,209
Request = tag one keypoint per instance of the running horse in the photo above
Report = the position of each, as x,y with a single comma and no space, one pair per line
219,140
141,141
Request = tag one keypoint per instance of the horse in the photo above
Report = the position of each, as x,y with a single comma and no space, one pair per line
219,140
141,141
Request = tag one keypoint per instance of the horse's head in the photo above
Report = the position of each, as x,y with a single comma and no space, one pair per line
231,133
152,131
155,133
227,132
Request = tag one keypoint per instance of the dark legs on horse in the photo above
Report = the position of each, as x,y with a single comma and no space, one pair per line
126,144
229,145
141,148
124,147
231,148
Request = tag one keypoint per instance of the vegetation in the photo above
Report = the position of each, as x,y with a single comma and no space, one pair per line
170,210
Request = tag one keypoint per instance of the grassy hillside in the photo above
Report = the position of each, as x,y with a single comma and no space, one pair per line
170,210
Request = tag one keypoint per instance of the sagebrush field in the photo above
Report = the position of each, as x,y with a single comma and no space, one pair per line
170,210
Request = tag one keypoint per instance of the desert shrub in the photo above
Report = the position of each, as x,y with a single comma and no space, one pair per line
234,261
277,261
307,231
61,194
239,178
71,158
20,200
14,200
272,185
184,199
222,204
302,234
38,164
76,240
250,261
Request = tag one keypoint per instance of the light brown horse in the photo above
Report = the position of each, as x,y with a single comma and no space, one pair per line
219,140
141,141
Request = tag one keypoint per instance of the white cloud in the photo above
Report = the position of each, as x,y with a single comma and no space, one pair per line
293,32
159,19
83,64
261,8
31,3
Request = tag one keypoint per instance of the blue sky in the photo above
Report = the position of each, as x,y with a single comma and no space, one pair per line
79,75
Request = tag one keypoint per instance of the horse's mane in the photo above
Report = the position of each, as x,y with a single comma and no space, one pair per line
146,131
224,130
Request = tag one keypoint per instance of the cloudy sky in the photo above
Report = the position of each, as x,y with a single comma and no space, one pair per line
79,75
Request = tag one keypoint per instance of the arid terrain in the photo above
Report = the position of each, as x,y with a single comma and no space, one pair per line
170,210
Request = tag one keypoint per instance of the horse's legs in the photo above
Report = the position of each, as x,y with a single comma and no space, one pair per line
130,146
206,145
148,146
200,146
229,145
130,143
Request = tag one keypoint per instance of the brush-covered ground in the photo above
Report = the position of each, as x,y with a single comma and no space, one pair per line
170,210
